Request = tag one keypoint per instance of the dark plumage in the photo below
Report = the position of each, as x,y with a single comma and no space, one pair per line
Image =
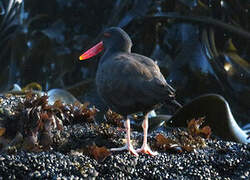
129,82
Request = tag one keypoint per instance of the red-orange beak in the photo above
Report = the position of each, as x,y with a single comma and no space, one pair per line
92,51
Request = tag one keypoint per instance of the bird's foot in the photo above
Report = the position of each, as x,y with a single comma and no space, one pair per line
146,150
130,148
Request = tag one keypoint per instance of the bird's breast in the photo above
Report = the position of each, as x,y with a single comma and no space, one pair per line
104,80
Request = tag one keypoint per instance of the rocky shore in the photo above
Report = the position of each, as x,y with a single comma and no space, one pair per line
42,141
218,160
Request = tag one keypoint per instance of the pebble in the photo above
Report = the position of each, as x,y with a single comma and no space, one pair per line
219,160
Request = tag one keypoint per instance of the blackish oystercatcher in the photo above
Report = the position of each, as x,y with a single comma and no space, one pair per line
129,83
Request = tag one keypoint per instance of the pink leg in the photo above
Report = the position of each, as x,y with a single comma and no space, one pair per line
145,147
128,145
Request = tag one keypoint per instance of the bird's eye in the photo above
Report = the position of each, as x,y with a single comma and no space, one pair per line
106,34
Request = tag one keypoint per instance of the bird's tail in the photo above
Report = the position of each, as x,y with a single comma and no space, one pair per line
176,103
172,105
171,96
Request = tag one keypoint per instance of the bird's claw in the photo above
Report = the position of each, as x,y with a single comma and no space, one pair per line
130,148
146,150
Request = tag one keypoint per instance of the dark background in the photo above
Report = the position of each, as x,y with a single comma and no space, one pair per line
201,46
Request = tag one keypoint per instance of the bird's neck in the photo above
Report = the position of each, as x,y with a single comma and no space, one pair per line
122,47
111,52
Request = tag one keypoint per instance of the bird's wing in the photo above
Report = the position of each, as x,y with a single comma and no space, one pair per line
159,80
155,70
141,77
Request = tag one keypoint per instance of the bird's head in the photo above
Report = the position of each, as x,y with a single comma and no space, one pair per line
114,39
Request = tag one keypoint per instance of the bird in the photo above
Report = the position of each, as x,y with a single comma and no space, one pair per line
128,82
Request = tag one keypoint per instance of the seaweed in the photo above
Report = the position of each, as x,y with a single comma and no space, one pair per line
38,122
